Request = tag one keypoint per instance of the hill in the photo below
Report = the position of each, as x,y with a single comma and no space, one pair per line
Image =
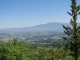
54,26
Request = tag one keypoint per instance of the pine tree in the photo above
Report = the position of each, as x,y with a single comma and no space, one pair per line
73,33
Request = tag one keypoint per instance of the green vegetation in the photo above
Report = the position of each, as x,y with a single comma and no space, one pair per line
21,51
73,33
15,50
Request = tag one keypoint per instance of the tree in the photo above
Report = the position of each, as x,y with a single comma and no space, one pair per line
15,41
73,33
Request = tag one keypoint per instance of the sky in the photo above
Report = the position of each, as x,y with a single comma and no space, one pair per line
27,13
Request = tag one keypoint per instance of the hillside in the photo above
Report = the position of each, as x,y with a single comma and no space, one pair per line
54,26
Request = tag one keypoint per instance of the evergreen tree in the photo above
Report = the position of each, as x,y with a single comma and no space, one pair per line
73,33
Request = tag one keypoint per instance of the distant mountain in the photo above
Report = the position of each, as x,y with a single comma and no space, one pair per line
54,26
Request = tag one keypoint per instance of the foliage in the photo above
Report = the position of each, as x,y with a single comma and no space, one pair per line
73,33
22,51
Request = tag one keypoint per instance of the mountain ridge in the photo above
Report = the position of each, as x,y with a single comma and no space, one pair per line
53,26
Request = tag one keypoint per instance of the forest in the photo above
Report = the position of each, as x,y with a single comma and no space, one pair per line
15,50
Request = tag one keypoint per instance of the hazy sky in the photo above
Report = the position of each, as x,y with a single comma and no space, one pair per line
25,13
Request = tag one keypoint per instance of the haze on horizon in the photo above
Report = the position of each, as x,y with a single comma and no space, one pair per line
26,13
